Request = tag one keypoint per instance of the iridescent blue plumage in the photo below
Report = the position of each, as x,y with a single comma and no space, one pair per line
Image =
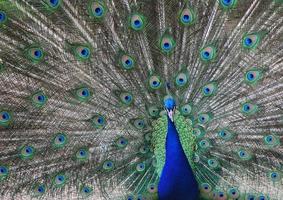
177,179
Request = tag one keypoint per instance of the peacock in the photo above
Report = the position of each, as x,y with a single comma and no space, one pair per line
141,100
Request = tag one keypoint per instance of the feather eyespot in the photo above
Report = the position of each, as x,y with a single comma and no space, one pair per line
3,17
4,172
97,9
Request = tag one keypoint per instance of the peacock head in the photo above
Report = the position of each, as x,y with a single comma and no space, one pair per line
170,106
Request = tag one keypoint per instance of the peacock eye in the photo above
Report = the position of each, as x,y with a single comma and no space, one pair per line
139,124
274,176
253,76
127,62
244,155
98,121
155,82
153,111
27,152
233,193
137,22
186,109
208,53
86,191
60,140
52,4
140,167
144,149
271,141
126,98
209,89
213,163
39,99
83,94
152,188
204,118
3,17
228,4
221,195
82,154
187,17
262,197
181,80
249,108
39,189
130,197
204,144
108,165
205,187
59,180
140,197
251,41
82,53
225,134
35,54
4,172
97,9
198,131
5,118
167,44
121,142
250,197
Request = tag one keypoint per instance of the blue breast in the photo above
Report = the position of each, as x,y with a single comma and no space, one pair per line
177,181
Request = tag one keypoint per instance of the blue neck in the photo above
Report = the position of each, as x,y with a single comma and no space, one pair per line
177,179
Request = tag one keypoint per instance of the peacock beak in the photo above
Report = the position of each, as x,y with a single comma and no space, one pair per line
170,113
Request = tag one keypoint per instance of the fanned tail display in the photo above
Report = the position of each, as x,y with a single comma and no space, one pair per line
135,100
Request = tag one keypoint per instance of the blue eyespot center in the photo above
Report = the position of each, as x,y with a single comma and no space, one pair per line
86,190
155,83
40,98
250,76
3,170
61,138
98,11
269,138
186,18
60,178
206,54
248,41
5,116
226,2
85,92
166,45
40,189
247,107
85,52
2,16
28,150
100,120
54,2
137,23
128,62
37,53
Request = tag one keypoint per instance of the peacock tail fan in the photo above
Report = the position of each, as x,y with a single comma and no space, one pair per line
82,85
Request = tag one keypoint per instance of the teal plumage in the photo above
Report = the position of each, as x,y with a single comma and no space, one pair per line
82,85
